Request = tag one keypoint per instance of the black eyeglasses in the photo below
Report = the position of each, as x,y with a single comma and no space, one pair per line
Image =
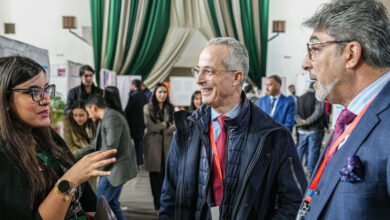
38,93
313,51
208,73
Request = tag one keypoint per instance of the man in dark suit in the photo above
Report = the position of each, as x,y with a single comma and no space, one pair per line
113,133
275,104
135,117
349,57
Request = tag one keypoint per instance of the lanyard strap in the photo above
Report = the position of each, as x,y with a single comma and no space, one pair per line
215,153
331,151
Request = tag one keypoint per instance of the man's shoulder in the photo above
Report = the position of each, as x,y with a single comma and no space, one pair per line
261,121
74,90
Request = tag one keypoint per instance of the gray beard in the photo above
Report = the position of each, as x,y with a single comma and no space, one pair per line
322,91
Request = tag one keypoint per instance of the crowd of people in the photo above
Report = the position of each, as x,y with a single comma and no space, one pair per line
230,154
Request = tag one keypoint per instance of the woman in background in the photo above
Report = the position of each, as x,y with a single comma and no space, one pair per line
196,100
39,177
158,116
79,130
113,100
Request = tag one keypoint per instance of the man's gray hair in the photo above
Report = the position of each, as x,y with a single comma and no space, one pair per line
237,59
364,21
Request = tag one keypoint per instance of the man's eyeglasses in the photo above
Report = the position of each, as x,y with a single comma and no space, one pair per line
38,93
312,50
208,73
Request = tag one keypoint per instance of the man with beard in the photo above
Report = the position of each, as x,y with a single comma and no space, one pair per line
349,57
276,105
229,159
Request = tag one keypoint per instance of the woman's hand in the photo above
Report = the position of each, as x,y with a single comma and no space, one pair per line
88,167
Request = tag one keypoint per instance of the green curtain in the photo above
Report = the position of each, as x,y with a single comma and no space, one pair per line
113,27
257,68
250,41
214,19
264,6
153,36
97,12
133,15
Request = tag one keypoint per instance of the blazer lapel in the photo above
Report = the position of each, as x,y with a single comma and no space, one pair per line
331,176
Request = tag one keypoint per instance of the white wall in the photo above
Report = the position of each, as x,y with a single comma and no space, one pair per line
39,23
286,51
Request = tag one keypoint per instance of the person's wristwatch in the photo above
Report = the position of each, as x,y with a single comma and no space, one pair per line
65,188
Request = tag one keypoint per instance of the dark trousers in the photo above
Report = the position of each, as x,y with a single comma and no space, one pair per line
156,183
138,145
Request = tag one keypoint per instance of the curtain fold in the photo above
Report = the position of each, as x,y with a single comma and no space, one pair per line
118,27
97,12
247,21
156,28
186,18
264,9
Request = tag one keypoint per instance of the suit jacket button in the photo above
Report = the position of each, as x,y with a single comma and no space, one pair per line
317,192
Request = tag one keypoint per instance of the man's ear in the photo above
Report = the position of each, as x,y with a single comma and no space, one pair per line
238,76
353,54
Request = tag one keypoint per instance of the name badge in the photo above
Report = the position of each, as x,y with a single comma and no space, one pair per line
215,213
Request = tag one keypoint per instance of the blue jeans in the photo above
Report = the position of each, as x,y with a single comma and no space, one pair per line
112,195
312,144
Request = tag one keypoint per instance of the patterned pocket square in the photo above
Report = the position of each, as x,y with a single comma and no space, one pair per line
353,170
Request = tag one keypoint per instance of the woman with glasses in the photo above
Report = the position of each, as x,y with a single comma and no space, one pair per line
158,116
39,178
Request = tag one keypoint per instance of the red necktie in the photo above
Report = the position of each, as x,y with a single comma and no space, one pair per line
344,119
221,148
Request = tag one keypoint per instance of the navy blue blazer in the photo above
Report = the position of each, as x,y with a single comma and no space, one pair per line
284,112
369,199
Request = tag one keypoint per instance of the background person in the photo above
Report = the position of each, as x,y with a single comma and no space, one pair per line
275,104
196,100
135,117
112,98
84,90
39,178
79,129
158,116
113,133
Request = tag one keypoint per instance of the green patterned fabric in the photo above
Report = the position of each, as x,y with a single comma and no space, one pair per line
97,12
153,36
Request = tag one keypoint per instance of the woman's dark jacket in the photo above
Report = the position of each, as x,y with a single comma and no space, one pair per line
14,195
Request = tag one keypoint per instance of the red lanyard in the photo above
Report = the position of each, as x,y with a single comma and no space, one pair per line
215,153
330,152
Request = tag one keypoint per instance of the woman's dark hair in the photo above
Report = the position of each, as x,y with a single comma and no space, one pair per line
81,131
17,142
155,109
112,98
192,106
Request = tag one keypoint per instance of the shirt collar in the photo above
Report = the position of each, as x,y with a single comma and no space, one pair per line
231,114
276,97
365,96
